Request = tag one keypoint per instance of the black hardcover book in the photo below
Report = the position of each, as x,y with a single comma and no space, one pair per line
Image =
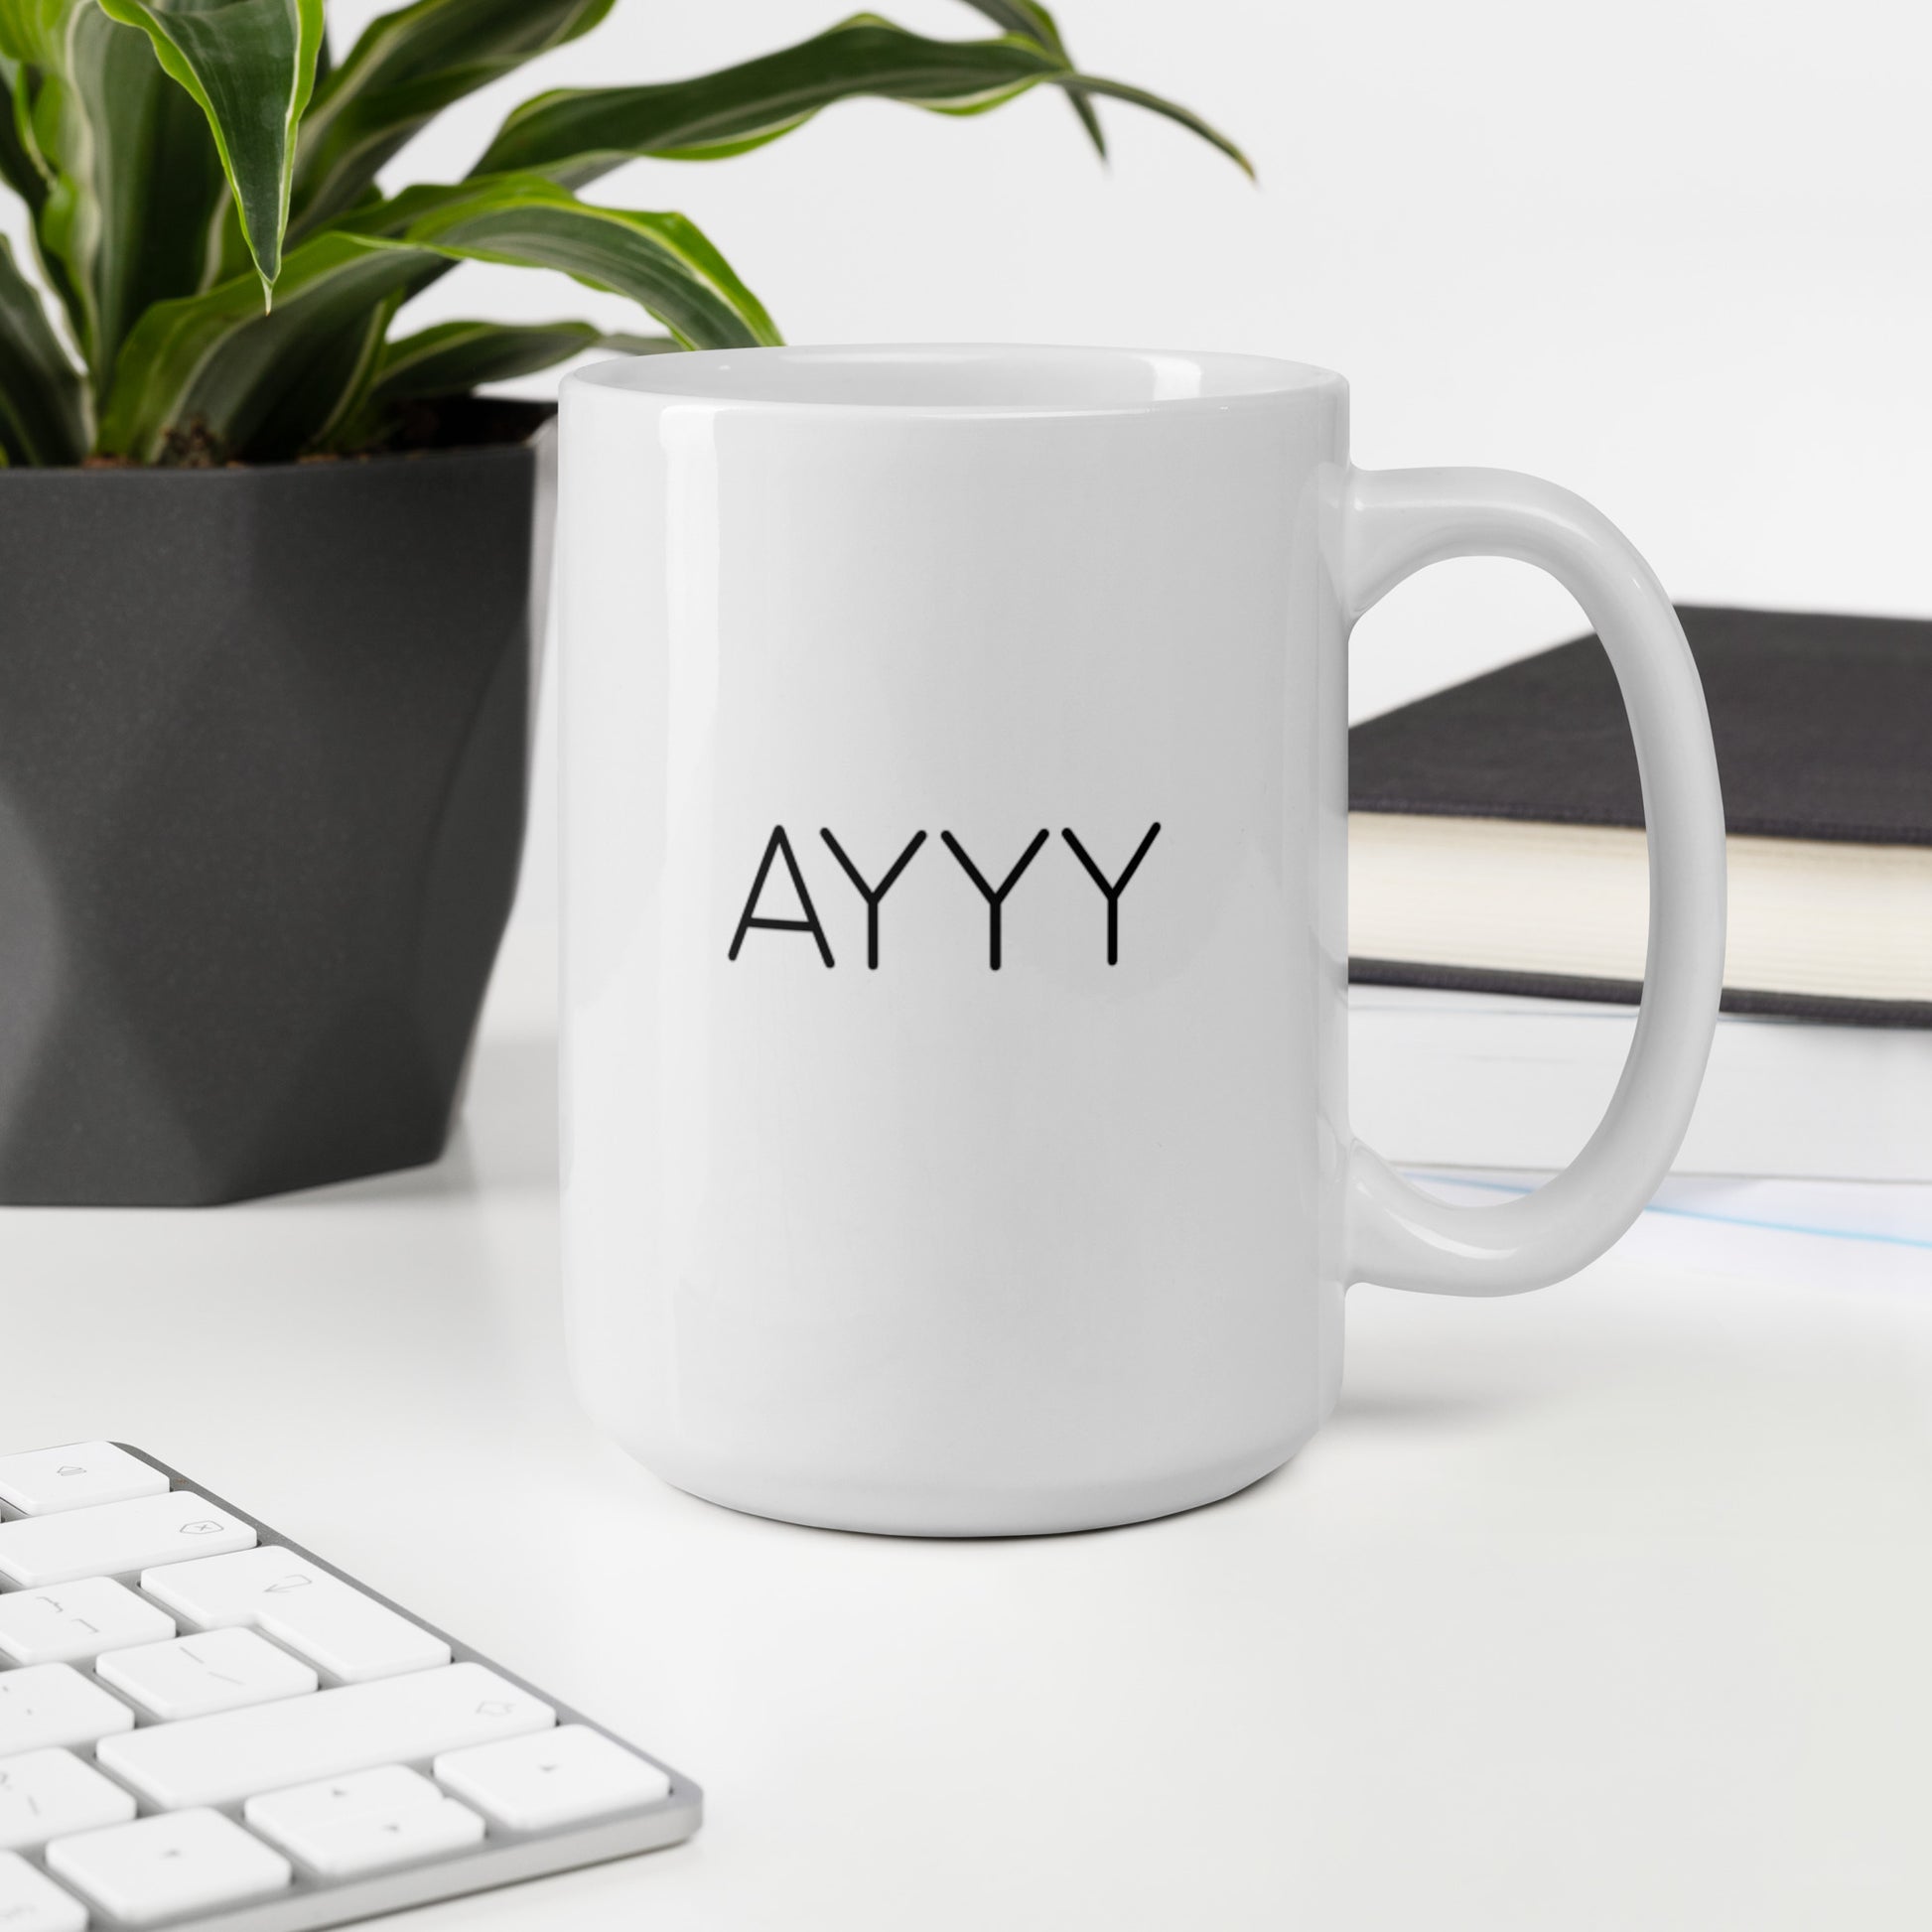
1496,828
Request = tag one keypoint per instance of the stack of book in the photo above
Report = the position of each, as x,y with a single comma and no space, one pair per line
1498,917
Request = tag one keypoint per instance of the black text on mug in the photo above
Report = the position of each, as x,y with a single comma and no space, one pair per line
779,845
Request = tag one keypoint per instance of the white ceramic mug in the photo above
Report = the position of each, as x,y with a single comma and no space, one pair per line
955,1097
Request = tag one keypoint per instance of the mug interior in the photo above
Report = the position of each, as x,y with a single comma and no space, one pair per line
937,377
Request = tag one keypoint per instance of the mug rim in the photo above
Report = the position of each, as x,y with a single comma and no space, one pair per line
1019,379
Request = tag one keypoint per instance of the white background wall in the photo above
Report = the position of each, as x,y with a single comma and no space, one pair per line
1676,254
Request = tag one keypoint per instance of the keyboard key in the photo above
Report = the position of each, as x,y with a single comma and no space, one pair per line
218,1760
379,1839
557,1777
161,1868
390,1788
73,1623
352,1637
116,1538
52,1794
52,1705
218,1670
45,1481
30,1902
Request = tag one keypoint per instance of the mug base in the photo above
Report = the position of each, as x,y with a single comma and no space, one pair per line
1049,1510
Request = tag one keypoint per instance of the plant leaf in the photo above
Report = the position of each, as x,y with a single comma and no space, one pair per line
135,180
574,135
405,68
213,369
1037,24
250,66
20,167
29,172
661,261
30,30
455,357
1169,110
42,408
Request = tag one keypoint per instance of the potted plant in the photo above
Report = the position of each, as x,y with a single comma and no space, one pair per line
266,564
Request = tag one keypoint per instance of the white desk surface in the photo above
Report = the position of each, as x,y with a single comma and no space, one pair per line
1609,1606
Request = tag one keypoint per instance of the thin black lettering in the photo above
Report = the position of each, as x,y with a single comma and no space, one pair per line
995,900
870,893
1119,886
779,845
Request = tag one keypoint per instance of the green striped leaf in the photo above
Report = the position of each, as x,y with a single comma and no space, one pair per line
1169,110
28,173
455,357
20,165
575,135
30,30
214,371
406,68
134,182
250,66
1034,23
663,262
42,409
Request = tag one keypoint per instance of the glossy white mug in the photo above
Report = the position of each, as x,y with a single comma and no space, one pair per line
947,1151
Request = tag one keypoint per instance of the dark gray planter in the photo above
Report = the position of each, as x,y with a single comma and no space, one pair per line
263,740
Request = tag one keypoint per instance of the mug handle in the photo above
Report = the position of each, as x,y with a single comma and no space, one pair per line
1394,522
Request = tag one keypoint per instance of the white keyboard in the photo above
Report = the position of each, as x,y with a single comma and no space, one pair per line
202,1725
